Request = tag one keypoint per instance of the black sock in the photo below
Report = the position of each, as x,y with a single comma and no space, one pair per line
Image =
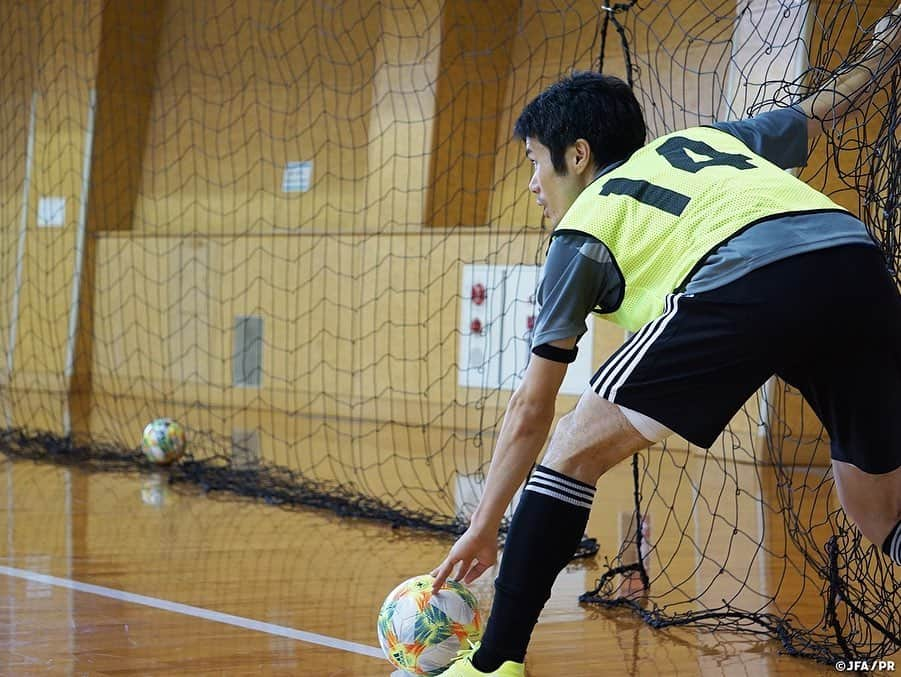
892,545
545,532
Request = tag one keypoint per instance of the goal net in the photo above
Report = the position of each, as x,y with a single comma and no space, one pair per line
303,231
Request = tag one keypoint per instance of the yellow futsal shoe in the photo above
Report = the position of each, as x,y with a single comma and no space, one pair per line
463,667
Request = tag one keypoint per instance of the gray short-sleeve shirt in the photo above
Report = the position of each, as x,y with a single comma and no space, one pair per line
581,274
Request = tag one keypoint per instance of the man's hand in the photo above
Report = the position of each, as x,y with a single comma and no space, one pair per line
887,27
524,431
475,551
835,97
887,34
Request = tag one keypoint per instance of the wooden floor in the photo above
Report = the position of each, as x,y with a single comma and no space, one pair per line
109,574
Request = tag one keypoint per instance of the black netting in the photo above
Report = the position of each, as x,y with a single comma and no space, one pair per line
263,220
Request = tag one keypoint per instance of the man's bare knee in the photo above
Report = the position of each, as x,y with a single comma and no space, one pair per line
591,439
873,502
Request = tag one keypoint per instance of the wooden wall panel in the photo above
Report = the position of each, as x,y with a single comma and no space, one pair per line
475,66
17,63
238,95
401,119
125,78
60,137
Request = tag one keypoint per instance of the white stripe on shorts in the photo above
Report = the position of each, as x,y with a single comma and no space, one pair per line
621,366
895,550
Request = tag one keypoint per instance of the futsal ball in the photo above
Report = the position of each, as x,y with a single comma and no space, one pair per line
421,633
164,441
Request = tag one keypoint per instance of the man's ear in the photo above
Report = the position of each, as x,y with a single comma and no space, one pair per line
581,156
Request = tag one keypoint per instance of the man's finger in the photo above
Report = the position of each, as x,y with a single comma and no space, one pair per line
441,573
476,570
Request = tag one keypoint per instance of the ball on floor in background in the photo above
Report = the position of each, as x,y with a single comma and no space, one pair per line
164,441
421,633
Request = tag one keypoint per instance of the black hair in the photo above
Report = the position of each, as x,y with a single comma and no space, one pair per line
602,109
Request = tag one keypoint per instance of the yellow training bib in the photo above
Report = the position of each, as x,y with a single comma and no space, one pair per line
674,201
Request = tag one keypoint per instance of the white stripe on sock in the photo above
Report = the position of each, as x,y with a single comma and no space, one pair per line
561,491
563,481
559,496
580,494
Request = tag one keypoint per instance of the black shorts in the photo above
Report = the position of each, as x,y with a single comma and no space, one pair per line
828,322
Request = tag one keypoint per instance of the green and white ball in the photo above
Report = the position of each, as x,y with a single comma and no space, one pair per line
164,441
421,633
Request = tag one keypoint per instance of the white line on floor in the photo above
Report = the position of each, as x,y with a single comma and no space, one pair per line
197,612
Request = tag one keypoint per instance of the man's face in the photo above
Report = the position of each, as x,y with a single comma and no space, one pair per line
556,192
